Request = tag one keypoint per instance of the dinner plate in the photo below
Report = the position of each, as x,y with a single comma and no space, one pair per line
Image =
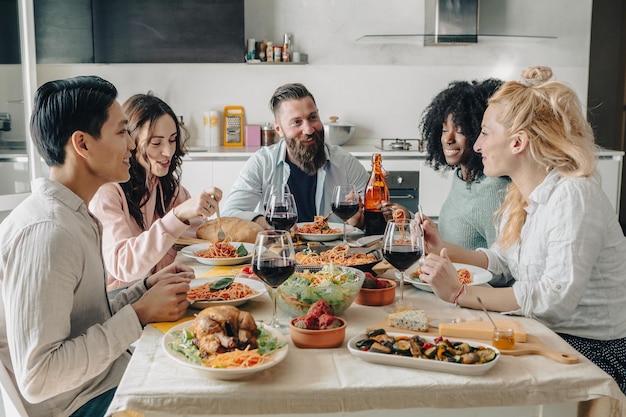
225,374
191,249
420,363
367,240
479,276
318,237
255,285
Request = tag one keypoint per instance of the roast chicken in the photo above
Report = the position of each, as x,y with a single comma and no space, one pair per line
222,329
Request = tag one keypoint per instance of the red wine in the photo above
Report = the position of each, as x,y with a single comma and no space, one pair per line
402,257
345,209
282,221
274,271
375,223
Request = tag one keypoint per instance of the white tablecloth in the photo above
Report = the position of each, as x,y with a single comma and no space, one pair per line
312,381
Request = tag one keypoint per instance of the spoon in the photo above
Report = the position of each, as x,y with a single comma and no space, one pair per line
487,313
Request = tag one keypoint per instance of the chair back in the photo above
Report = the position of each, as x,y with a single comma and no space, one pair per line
13,406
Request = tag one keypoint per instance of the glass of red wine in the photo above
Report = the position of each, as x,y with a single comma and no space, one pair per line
403,245
274,260
281,212
345,204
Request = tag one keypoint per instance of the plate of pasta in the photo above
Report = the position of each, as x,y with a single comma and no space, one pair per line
240,291
178,345
220,253
468,274
318,232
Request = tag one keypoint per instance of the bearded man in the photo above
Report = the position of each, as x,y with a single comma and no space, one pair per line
301,162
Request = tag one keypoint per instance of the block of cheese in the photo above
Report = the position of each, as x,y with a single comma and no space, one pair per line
480,329
415,320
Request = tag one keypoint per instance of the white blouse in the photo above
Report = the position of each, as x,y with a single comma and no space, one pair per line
569,266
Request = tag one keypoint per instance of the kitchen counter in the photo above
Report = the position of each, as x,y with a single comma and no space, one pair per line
359,151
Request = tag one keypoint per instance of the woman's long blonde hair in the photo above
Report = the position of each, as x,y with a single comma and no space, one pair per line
560,138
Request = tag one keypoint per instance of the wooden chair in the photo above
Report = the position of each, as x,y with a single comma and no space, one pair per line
13,406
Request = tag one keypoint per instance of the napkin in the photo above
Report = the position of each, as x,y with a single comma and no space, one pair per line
217,271
166,325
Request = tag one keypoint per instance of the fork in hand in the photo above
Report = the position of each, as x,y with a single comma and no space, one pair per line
220,233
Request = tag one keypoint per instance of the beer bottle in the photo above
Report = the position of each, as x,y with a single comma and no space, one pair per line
375,192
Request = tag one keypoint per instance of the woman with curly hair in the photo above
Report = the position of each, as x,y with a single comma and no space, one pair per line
143,217
450,125
559,244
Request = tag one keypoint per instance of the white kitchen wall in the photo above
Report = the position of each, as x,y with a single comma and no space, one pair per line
380,84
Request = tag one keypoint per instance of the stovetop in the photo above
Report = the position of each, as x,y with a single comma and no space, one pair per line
401,144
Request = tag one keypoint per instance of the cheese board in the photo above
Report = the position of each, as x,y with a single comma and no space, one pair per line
532,346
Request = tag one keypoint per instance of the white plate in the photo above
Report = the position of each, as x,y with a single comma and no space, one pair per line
479,276
318,237
189,251
366,240
255,285
225,374
420,363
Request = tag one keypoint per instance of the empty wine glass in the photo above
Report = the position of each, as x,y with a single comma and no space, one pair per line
403,245
273,260
345,204
281,212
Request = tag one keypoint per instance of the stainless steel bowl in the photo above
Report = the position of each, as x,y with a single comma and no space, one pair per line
337,133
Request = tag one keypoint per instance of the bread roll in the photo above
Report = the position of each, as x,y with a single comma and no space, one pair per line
236,229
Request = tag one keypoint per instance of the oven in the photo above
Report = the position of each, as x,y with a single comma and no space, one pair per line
404,188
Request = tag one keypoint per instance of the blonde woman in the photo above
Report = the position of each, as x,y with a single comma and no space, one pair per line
559,244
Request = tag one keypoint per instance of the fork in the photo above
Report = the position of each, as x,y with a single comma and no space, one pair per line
220,233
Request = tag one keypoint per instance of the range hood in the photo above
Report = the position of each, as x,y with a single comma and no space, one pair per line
451,22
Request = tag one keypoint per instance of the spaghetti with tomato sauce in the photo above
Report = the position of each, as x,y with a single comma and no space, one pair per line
218,249
235,291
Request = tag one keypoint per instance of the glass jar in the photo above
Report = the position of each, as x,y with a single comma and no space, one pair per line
267,134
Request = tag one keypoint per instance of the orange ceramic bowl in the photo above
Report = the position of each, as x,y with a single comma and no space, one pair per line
377,296
318,339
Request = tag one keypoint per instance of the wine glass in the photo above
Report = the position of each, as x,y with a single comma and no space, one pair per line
273,260
281,212
345,204
403,245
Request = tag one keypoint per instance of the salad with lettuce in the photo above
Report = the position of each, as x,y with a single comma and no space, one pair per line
338,286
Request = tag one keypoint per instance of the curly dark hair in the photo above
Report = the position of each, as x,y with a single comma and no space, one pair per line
466,101
141,110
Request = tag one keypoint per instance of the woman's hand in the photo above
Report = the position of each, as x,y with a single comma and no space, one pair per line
203,205
439,272
433,243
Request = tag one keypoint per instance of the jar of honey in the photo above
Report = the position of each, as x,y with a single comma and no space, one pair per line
504,339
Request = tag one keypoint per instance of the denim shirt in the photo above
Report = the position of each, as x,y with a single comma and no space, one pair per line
267,170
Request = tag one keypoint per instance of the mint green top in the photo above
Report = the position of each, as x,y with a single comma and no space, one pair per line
466,217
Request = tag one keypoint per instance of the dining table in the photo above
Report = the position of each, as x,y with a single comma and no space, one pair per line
334,382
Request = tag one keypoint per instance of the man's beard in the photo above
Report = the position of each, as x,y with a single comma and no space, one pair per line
308,158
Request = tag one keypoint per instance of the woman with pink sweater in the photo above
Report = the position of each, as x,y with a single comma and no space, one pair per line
143,218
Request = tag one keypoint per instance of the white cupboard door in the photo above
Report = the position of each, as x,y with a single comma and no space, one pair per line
225,173
197,176
433,190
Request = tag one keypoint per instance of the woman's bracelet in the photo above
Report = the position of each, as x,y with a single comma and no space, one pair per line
456,298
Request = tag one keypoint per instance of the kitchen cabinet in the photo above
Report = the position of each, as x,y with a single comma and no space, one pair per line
140,31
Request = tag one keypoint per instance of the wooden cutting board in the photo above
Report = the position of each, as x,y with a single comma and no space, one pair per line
532,346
